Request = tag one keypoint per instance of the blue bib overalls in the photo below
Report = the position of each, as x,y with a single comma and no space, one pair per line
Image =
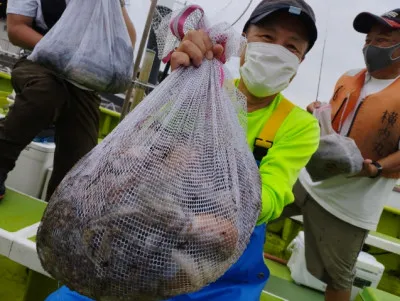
244,281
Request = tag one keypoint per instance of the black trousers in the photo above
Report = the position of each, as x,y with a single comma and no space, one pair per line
43,99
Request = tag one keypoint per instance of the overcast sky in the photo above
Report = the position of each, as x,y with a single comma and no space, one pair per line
343,49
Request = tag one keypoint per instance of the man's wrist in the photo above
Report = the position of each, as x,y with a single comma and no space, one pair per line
379,170
122,3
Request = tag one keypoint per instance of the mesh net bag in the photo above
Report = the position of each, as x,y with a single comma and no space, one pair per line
90,45
336,154
168,201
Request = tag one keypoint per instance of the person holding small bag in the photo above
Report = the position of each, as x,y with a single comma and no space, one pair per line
45,97
341,205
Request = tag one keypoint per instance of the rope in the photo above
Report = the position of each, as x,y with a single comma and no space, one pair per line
323,53
244,12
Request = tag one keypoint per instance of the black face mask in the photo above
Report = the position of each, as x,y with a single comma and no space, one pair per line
378,58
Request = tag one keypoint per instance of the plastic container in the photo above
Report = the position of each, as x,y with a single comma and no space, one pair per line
49,173
31,167
371,294
369,273
394,197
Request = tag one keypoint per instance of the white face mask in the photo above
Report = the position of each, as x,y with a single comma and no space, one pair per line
268,68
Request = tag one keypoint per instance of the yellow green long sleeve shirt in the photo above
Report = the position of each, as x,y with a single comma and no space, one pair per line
295,142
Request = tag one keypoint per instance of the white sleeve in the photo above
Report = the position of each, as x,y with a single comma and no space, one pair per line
26,8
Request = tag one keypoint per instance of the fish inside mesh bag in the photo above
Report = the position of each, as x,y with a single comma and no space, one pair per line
168,201
90,45
336,154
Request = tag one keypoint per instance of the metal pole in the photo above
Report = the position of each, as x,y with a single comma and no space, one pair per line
143,77
146,31
243,13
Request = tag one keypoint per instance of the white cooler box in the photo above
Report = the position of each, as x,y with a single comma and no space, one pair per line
49,173
368,270
31,169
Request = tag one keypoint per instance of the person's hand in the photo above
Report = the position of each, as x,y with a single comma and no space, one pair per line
195,46
368,170
313,106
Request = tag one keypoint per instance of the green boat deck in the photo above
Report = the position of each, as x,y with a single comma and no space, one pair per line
20,213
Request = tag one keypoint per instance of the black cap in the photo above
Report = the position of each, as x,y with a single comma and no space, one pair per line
364,21
296,7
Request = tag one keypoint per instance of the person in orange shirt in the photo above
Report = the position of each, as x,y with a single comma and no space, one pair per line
340,211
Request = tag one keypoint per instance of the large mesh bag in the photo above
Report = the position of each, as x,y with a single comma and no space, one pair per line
90,45
169,200
336,154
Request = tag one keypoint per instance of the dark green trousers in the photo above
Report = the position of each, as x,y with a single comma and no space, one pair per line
43,99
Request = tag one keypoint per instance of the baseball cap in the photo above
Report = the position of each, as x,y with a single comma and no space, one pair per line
364,21
295,7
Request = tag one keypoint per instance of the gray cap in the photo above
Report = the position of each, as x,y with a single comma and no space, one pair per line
295,7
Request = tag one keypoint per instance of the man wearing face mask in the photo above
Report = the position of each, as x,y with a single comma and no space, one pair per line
280,33
339,212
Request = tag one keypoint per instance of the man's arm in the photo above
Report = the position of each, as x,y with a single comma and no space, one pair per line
129,25
20,32
296,141
389,164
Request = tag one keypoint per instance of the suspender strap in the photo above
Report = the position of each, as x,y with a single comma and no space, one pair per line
267,136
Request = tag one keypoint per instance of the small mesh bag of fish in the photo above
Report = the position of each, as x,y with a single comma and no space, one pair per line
168,201
90,45
336,154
